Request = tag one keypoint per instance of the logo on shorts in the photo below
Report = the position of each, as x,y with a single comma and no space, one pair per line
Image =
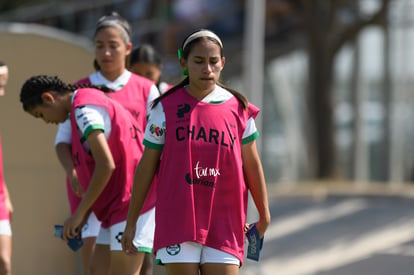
173,249
118,237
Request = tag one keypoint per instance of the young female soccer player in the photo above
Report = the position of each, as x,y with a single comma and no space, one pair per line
112,46
6,206
146,61
201,135
105,150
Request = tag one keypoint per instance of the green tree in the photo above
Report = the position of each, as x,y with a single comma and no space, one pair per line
326,33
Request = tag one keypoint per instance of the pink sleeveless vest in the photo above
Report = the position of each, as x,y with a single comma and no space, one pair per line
133,96
4,213
202,195
112,205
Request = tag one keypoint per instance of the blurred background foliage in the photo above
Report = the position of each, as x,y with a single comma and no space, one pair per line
332,100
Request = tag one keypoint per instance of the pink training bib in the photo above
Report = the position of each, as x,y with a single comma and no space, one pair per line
4,213
202,195
112,204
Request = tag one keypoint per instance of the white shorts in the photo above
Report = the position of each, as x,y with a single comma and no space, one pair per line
144,236
91,227
191,252
5,228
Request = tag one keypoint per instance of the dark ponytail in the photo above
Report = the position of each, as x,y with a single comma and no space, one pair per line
181,84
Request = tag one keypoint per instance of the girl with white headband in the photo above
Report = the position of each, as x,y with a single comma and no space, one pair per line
112,46
205,135
6,207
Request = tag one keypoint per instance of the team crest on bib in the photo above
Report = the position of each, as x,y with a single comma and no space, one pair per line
173,249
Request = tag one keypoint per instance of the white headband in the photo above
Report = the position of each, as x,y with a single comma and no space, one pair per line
4,69
203,33
115,23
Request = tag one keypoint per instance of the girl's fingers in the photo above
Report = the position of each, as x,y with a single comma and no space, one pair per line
132,250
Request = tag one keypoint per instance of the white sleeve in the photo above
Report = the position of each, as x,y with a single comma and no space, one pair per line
155,130
250,129
91,117
64,133
153,94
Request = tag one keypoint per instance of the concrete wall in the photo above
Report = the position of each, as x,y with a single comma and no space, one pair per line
34,177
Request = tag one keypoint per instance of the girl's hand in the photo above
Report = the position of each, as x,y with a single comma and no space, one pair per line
261,226
246,228
127,240
72,226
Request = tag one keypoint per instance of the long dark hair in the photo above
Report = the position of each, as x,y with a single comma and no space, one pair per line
33,88
145,53
184,53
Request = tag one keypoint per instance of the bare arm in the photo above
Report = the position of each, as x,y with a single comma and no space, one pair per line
256,183
9,204
104,167
64,154
144,175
